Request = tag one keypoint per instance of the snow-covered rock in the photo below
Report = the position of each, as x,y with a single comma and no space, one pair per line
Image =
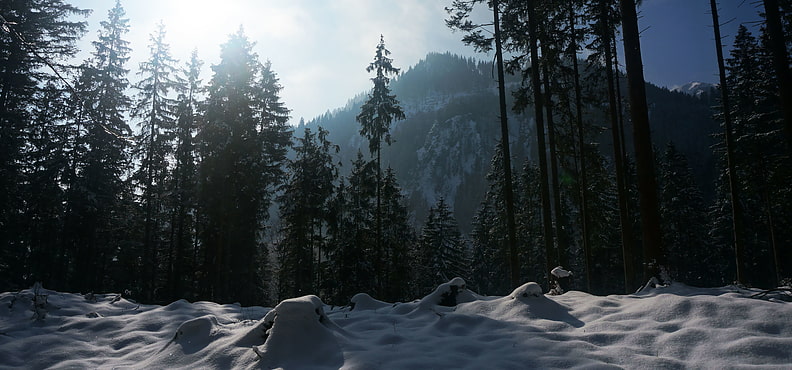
560,273
300,335
526,290
448,294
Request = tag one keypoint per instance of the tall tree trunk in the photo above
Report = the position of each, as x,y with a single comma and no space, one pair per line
514,264
378,254
540,136
654,258
583,181
734,188
557,213
627,240
781,65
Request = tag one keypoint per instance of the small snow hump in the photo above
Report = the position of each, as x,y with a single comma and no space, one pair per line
560,273
449,294
527,290
363,302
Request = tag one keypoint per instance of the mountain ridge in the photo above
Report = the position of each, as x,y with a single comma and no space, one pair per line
444,146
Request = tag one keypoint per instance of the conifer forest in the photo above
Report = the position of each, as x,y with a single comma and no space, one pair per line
162,183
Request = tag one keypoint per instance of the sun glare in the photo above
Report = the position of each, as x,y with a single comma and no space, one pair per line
197,22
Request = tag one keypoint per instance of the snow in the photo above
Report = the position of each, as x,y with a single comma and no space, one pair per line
673,326
560,273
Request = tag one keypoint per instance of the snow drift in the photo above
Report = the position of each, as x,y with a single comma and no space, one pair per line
668,327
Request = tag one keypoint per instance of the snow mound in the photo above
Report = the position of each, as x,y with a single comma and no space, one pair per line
363,301
526,290
448,294
301,335
673,326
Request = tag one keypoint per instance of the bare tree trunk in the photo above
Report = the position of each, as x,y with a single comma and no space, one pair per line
654,258
734,188
508,190
557,213
540,136
618,155
583,181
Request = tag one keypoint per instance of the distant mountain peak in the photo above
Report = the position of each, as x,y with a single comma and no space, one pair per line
695,88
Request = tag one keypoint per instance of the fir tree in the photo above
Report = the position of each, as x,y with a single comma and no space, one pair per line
96,197
375,118
182,187
352,233
444,255
153,149
398,238
242,145
35,36
304,212
685,223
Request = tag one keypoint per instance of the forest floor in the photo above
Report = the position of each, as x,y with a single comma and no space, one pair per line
675,326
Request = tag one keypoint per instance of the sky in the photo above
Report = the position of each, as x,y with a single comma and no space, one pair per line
320,49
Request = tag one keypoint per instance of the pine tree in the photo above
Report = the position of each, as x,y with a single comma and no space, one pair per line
304,213
777,47
242,145
153,149
444,255
759,154
684,223
398,238
96,201
35,35
489,247
352,233
376,115
182,187
45,160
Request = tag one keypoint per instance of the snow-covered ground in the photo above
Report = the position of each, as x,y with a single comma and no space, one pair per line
668,327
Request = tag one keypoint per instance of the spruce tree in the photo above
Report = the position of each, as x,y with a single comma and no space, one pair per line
182,184
489,246
304,213
156,112
444,254
97,195
352,233
398,237
242,146
690,252
376,115
36,35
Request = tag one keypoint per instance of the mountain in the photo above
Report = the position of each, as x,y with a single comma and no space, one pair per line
695,88
444,146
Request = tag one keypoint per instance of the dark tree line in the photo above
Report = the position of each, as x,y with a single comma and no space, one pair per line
583,203
167,194
178,207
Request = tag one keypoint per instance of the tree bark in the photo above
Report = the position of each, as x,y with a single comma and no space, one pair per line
654,258
514,265
734,188
627,240
540,136
583,181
